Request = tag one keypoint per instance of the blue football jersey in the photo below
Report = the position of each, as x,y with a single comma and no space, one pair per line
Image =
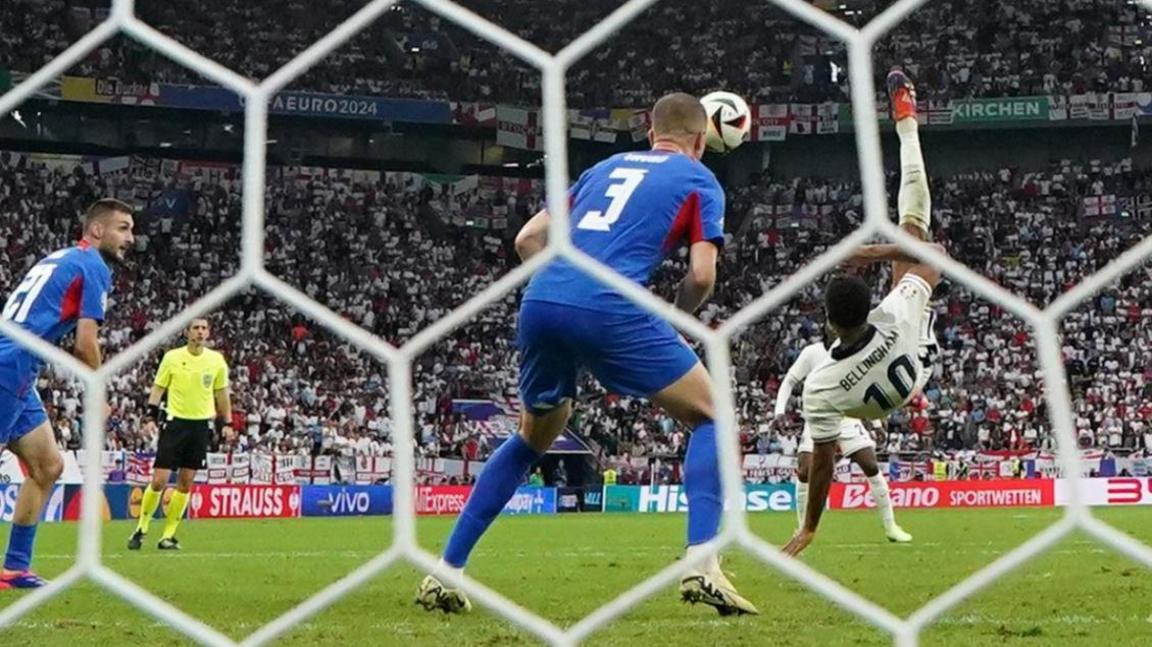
629,212
65,286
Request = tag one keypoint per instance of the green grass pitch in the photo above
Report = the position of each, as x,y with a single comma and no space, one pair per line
238,575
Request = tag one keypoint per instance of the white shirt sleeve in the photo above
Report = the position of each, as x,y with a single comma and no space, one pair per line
822,418
906,305
799,370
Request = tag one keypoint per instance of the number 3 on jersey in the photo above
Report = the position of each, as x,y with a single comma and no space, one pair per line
20,303
620,192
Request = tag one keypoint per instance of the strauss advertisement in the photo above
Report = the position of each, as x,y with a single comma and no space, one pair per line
244,501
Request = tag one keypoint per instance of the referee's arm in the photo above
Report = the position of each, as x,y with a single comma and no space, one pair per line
159,388
223,396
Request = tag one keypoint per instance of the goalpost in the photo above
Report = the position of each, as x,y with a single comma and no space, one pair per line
736,534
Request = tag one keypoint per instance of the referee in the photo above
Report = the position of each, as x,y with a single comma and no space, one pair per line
196,381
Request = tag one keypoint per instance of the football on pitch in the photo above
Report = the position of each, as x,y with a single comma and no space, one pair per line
729,121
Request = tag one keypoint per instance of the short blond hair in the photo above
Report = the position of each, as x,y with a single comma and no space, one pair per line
679,114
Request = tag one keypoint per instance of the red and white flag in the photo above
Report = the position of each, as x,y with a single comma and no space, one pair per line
519,128
771,123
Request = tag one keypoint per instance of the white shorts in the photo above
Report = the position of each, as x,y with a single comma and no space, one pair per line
853,438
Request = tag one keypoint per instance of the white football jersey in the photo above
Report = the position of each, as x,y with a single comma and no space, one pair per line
880,372
810,357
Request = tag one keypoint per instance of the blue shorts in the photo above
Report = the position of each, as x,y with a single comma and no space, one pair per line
19,415
631,353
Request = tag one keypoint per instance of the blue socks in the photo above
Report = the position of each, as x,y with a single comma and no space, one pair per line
497,483
20,547
702,485
506,469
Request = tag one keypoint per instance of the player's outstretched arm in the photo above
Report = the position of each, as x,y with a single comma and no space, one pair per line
870,254
782,397
819,483
533,236
701,277
87,345
795,375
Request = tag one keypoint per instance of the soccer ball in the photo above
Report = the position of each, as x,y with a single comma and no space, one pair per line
729,120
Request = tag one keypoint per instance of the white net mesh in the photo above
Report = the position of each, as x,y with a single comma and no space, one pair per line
905,632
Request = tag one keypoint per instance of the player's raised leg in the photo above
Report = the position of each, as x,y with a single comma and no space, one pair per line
38,451
689,400
913,201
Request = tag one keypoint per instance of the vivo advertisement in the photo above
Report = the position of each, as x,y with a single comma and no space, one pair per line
345,500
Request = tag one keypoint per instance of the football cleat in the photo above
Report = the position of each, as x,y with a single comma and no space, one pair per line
21,580
433,596
716,591
136,540
897,535
901,95
168,543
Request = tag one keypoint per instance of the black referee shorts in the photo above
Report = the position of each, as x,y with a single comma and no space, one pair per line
183,444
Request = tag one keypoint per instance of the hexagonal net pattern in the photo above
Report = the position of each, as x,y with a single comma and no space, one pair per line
905,631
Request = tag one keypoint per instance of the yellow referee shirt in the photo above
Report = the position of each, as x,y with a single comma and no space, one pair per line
192,382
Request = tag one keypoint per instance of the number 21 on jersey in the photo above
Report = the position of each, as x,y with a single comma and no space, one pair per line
619,192
24,296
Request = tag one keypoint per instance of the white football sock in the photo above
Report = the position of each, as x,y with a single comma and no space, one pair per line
913,202
710,565
883,499
801,503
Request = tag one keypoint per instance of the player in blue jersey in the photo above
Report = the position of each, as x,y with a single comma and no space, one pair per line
628,212
67,291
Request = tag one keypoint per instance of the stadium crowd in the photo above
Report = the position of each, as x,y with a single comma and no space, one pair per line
382,255
956,49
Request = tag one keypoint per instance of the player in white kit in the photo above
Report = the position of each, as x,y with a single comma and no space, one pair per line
855,443
882,356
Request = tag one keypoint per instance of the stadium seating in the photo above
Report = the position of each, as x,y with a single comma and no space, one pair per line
984,49
385,256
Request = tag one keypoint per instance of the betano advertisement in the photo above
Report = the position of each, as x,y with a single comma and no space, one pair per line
948,494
